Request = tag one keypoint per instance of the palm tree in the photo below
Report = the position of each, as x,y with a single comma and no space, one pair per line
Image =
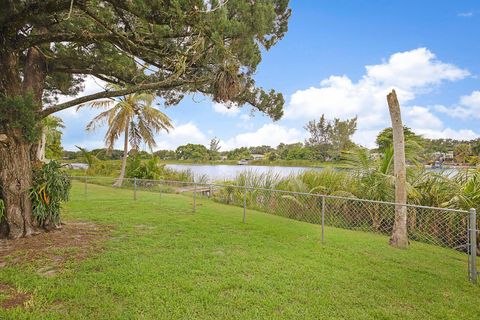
134,117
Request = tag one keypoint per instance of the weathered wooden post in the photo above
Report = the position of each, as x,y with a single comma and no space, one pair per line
399,236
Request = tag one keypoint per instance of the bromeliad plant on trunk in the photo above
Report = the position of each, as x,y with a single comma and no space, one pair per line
172,48
51,186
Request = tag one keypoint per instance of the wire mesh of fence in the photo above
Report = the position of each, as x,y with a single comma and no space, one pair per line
444,227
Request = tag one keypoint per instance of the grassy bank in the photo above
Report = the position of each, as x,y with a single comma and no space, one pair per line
161,261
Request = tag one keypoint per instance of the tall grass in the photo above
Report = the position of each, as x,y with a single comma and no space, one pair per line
444,190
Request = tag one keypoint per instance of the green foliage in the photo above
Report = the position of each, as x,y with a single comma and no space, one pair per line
384,140
51,186
239,153
133,116
217,259
462,152
152,170
190,46
19,112
467,191
214,149
105,154
52,127
104,168
88,156
329,138
165,154
271,156
261,149
368,178
294,151
476,147
192,151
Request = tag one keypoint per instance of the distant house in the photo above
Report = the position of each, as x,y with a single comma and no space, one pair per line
258,156
449,156
223,158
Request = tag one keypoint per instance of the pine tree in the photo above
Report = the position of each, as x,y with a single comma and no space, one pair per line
176,47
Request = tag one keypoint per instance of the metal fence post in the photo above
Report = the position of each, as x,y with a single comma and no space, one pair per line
245,205
134,188
473,246
160,190
323,219
85,186
194,197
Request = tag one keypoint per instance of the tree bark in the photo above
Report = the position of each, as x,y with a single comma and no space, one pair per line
119,181
16,181
399,236
16,152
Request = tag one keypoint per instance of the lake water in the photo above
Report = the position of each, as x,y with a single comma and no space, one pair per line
221,172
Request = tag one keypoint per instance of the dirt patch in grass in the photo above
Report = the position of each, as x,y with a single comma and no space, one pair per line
11,298
50,250
48,253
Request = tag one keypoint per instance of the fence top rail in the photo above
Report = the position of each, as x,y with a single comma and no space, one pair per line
278,191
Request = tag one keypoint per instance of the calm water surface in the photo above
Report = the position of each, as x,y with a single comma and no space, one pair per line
221,172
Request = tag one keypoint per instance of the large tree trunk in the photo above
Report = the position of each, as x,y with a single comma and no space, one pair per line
16,152
16,181
399,236
119,181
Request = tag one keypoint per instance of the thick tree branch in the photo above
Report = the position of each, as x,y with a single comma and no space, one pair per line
84,37
160,85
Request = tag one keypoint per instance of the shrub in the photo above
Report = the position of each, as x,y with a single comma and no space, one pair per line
51,186
153,170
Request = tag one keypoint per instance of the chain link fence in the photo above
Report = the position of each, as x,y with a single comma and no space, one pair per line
445,227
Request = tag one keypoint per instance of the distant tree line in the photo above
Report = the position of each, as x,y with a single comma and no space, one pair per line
327,140
431,150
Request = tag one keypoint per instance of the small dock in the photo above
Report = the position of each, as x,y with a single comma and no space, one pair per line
204,191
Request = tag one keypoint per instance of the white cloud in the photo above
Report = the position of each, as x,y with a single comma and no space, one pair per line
181,134
221,108
467,107
424,122
269,134
466,14
411,73
415,69
462,134
421,117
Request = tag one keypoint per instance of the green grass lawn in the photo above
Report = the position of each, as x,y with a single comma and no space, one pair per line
162,261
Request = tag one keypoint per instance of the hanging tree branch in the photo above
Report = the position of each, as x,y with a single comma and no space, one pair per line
165,85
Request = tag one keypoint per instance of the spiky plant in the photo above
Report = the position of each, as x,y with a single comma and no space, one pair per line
51,186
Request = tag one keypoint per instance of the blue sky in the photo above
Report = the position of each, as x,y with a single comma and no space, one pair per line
341,58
